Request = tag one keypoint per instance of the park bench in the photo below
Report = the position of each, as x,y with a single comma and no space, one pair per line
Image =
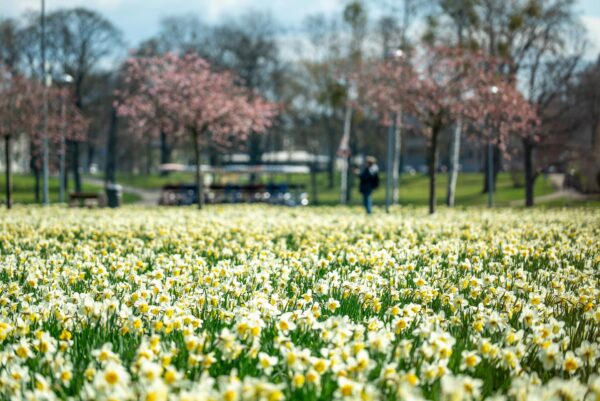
86,199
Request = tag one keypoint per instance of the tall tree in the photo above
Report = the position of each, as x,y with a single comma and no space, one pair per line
435,93
533,35
319,93
248,47
459,18
177,34
583,123
208,105
20,105
394,29
356,19
10,43
17,113
322,93
79,42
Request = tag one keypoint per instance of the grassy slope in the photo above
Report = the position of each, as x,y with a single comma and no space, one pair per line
23,185
413,189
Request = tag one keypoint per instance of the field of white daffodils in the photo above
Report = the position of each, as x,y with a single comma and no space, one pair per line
258,303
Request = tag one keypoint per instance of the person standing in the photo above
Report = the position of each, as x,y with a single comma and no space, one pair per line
369,181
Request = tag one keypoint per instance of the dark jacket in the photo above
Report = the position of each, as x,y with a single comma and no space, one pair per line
369,179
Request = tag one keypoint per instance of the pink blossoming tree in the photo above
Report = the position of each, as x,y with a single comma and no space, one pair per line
16,118
443,86
21,115
184,95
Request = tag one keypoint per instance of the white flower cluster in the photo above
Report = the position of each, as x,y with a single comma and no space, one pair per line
256,303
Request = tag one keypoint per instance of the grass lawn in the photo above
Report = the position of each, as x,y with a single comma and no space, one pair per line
565,202
23,189
413,188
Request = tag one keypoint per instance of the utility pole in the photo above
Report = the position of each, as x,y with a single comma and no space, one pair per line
490,170
66,79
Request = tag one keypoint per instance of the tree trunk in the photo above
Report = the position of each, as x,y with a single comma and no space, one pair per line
149,158
313,182
331,168
485,167
197,159
66,182
91,151
529,174
75,165
75,144
255,153
432,167
350,187
496,161
111,149
397,157
332,153
37,186
497,164
165,151
34,163
350,180
331,172
8,162
454,164
389,163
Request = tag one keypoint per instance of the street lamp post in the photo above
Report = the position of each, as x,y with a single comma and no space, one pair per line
66,79
490,169
46,81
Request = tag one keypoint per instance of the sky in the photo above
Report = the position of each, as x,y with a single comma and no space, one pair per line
139,19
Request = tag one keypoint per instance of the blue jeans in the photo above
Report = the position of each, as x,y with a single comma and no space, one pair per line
368,202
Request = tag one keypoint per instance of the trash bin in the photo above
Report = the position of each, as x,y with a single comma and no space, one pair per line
113,194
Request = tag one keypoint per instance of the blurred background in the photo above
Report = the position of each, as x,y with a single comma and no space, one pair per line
300,55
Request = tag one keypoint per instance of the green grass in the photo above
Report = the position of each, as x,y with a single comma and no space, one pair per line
565,202
413,188
24,184
153,181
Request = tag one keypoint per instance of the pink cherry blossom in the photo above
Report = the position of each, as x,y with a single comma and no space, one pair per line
443,85
182,95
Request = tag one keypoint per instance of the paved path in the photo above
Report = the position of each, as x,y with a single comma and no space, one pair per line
570,194
557,181
147,197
